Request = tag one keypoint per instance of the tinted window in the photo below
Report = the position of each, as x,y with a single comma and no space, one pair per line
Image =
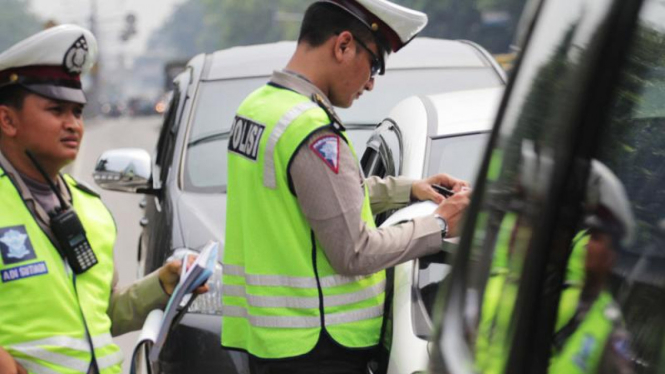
569,241
510,269
628,268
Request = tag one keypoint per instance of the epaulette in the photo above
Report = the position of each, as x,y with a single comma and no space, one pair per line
334,118
85,187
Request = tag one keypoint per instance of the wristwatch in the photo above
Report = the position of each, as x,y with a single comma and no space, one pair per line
443,224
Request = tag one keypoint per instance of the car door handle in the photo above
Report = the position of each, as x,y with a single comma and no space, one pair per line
144,222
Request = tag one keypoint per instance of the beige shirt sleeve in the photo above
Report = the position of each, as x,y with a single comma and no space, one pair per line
129,306
332,203
389,193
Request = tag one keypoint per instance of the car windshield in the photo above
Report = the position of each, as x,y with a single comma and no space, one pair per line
217,101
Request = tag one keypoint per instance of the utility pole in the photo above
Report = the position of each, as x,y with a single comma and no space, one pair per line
93,105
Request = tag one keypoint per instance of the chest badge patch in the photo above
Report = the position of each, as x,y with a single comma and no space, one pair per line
15,245
327,149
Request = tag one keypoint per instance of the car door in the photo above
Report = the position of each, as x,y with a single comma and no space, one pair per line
560,262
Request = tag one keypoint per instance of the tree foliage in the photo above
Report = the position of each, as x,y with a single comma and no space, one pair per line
16,22
207,25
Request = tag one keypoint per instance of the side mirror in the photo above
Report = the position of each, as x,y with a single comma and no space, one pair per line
124,170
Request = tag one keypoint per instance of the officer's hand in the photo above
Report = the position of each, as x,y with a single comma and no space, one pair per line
452,209
422,189
169,275
8,365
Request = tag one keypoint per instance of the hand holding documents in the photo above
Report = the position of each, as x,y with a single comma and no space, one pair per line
159,323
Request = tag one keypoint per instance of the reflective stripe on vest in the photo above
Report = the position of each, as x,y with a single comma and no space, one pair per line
287,281
50,337
36,350
277,132
304,322
305,302
277,281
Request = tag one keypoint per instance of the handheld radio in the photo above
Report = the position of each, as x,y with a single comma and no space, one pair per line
68,230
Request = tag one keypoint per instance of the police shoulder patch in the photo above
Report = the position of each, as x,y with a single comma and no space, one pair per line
327,149
15,245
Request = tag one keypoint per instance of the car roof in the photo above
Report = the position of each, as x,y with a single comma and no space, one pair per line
442,115
465,111
260,60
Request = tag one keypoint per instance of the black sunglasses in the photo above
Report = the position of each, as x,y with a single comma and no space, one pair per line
375,65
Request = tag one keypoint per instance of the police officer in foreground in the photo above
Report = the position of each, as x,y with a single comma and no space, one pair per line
58,301
303,263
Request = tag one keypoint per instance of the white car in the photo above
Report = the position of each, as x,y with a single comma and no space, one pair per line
422,136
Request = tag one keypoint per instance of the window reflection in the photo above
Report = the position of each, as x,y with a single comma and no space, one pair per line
633,147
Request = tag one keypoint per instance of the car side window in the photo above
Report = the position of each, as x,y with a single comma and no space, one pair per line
598,305
509,273
204,168
619,323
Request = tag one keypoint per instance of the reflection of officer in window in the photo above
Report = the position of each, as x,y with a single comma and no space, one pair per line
58,301
590,335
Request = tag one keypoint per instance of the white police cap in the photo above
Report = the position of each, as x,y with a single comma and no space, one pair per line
50,62
395,25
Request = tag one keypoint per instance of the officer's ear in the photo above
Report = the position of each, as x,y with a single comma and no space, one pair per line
341,46
8,121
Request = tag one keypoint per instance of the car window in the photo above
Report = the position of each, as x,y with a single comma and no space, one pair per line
447,152
624,268
217,102
215,107
396,85
568,242
526,207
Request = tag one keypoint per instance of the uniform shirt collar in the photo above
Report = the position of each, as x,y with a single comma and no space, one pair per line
300,84
26,193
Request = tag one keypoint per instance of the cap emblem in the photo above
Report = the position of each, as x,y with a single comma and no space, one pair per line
13,78
375,27
76,56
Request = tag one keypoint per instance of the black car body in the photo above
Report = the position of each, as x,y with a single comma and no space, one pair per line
587,95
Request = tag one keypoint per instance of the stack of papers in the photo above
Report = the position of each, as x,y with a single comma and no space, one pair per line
159,323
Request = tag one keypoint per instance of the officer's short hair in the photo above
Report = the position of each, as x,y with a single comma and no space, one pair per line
324,20
13,96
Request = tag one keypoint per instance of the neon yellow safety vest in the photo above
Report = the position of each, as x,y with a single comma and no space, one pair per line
279,290
583,350
45,309
501,293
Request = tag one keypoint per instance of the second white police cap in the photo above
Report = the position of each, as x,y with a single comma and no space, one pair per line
51,62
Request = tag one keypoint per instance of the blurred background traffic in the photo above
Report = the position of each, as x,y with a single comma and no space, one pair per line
145,44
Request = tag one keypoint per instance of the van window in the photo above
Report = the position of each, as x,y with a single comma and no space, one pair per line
625,271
